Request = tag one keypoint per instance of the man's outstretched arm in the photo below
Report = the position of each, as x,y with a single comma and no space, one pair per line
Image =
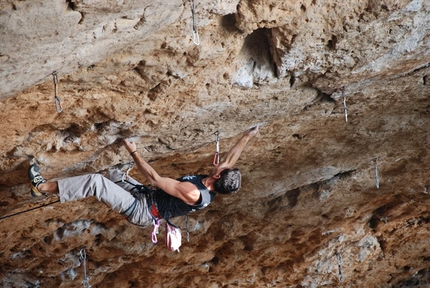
184,191
234,153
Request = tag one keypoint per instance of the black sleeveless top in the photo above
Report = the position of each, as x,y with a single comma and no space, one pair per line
169,206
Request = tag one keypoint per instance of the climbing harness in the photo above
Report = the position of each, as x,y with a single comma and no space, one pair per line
83,258
25,211
345,111
173,232
216,155
339,265
375,161
58,105
196,38
147,192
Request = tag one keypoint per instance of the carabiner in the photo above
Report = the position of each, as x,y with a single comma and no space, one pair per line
58,105
216,159
216,155
196,38
156,223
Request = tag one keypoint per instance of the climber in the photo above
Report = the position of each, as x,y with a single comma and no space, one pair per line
171,198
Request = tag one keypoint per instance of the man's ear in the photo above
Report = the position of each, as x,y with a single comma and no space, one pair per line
218,170
216,176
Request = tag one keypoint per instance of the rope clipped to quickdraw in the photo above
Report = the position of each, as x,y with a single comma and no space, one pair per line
345,111
58,105
83,258
196,38
216,155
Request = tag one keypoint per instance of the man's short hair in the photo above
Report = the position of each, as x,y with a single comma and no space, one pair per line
229,182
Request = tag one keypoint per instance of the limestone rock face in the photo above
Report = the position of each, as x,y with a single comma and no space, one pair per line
335,186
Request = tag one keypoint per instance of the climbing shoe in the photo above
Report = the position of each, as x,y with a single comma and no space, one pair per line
36,179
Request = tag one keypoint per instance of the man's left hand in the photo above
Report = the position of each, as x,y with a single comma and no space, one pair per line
252,132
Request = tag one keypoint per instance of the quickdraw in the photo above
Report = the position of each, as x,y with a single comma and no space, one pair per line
155,231
186,227
83,258
339,265
196,38
376,173
345,111
216,155
58,105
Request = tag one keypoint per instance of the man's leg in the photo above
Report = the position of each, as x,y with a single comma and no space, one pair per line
79,187
106,191
48,187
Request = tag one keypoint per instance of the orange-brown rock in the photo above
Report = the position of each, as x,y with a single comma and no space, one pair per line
325,202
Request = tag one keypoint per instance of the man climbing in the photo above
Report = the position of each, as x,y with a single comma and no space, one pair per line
172,198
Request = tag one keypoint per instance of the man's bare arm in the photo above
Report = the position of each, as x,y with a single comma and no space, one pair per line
235,152
189,194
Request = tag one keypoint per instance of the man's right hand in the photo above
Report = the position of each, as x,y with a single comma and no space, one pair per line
130,146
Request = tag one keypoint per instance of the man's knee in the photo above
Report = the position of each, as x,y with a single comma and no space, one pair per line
114,174
96,178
